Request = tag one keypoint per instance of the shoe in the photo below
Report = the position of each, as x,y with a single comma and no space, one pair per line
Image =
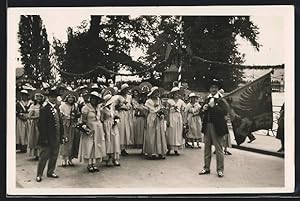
227,153
251,140
192,146
176,153
220,174
187,145
162,156
53,175
90,168
124,153
36,158
63,164
109,163
168,153
204,172
70,163
116,163
199,147
95,169
38,179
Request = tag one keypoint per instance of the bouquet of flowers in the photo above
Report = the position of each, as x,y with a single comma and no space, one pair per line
82,127
162,112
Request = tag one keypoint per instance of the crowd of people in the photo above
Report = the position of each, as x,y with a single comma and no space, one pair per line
96,124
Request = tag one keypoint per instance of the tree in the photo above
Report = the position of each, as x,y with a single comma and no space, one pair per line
34,47
212,38
106,42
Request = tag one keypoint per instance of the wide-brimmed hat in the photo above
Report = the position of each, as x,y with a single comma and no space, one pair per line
70,93
136,88
53,91
175,89
108,90
145,87
124,86
193,95
27,86
153,89
95,94
24,91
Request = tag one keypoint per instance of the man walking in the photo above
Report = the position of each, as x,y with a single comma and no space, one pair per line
51,131
214,128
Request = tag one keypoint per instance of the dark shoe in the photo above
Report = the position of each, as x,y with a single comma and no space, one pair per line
124,153
227,153
53,175
38,179
187,145
176,153
90,168
95,169
162,156
220,174
251,140
168,153
116,163
70,163
204,172
36,158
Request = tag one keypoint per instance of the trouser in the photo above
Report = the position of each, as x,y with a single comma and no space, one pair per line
212,138
50,154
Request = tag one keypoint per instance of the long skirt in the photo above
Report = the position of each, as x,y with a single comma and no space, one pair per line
194,127
112,138
155,136
93,146
22,128
33,135
139,129
125,128
174,131
69,132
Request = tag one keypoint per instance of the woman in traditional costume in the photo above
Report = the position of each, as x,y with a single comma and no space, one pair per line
33,116
155,145
70,115
92,144
111,130
193,120
175,122
22,124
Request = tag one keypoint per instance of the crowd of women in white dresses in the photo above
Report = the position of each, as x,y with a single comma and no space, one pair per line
102,124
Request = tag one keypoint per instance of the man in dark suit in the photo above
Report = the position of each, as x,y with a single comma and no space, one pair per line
214,128
51,131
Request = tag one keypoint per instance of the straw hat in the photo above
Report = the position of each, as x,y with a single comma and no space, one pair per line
192,95
24,91
153,89
124,86
95,94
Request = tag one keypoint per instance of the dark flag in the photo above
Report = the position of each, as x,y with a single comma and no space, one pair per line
250,107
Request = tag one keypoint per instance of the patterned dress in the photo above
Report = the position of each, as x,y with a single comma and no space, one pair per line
155,136
92,146
174,131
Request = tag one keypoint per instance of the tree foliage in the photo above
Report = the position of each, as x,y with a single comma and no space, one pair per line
213,38
105,41
34,47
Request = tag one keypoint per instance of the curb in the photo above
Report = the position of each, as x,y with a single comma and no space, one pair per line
260,151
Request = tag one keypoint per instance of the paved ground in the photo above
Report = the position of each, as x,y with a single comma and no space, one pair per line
242,169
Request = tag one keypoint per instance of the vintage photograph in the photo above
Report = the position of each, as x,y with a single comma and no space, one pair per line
150,100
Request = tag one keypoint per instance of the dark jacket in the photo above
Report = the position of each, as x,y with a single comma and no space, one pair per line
217,113
47,128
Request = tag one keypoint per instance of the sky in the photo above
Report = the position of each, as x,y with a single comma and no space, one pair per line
271,36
